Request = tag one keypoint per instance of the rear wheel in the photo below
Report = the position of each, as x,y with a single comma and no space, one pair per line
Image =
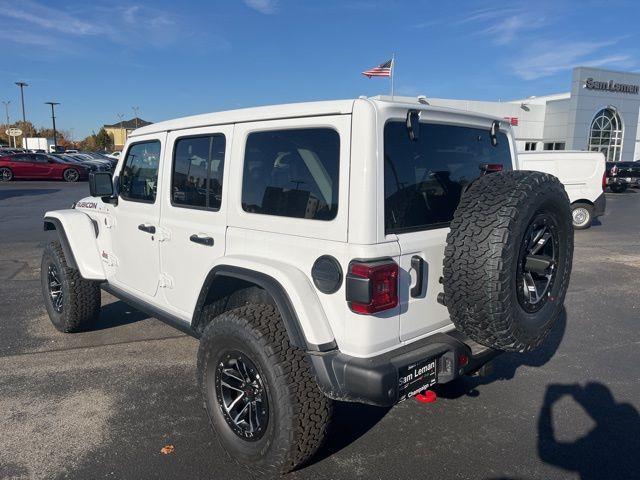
618,187
72,302
508,259
71,175
6,175
582,215
259,391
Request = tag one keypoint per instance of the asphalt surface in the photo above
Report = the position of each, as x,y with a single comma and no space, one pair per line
102,404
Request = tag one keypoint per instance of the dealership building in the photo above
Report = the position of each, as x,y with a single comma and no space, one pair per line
600,113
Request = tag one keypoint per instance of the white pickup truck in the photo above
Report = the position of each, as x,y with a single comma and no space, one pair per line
582,174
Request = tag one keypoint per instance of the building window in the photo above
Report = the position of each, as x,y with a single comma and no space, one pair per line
605,134
554,146
292,173
530,146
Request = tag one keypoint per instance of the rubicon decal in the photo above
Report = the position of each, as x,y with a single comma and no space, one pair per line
86,205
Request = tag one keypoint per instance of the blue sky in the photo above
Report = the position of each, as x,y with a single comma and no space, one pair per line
179,58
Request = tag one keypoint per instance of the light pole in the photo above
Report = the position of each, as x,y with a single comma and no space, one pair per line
135,114
6,109
24,117
53,118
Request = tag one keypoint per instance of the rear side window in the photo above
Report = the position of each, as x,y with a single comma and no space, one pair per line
423,180
292,173
139,175
198,165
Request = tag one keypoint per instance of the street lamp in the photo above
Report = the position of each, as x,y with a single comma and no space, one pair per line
53,118
135,114
6,109
24,117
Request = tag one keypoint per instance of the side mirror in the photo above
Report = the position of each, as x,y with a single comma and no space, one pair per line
413,125
100,184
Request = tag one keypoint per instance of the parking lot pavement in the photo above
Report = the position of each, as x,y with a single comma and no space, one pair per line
103,403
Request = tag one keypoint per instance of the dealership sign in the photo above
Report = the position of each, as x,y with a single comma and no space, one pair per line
611,86
13,132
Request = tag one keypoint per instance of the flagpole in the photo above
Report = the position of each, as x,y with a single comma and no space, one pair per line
393,68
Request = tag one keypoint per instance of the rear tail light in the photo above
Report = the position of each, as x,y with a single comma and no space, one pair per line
372,286
604,181
491,167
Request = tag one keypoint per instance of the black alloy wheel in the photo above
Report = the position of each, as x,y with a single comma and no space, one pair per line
241,395
537,262
55,288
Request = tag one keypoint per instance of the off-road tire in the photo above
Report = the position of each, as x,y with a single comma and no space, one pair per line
6,175
618,187
81,298
483,255
299,413
585,209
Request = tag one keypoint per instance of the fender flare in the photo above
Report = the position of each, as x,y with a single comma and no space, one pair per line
77,233
276,290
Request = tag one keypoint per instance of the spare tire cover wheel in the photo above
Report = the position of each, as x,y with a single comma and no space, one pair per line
508,259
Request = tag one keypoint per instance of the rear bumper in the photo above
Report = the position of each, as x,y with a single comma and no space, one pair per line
375,380
599,206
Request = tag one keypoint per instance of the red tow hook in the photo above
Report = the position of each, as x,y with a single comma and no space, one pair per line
428,396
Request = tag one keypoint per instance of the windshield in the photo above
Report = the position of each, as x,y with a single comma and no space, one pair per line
424,179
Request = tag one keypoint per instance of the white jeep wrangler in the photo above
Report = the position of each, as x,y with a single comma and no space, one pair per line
360,250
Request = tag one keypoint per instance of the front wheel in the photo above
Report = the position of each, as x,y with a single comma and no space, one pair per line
71,175
6,175
259,392
618,187
582,215
72,302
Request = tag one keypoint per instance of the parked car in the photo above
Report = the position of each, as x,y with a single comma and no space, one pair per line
582,174
92,165
621,175
356,250
37,166
115,155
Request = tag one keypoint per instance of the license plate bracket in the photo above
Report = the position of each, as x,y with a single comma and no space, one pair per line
416,377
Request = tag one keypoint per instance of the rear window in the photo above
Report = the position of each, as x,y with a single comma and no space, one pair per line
423,180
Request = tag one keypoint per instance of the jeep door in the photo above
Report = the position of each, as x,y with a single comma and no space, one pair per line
193,223
423,181
137,216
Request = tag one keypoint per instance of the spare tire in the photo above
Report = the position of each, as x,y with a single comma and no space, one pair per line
508,259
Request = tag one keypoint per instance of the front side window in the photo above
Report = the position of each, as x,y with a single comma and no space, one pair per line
139,175
423,179
292,173
198,165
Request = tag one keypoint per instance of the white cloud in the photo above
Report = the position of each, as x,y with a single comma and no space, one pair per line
549,58
507,30
263,6
47,17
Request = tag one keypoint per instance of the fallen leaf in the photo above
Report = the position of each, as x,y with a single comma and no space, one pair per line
167,449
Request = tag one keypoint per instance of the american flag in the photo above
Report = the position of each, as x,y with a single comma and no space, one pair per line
382,70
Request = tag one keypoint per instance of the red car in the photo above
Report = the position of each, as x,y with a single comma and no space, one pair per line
38,165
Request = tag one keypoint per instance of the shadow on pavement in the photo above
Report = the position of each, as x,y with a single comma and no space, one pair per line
117,314
26,192
610,450
506,365
350,422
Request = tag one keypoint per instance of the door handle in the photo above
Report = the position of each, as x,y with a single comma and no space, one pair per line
417,264
147,228
208,241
